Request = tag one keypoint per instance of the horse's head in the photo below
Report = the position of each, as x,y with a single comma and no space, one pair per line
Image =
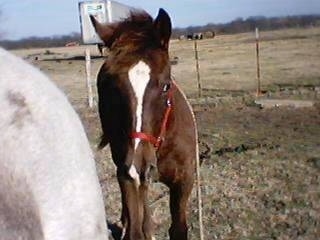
134,86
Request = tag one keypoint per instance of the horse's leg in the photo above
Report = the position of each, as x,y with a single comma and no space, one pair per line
132,208
179,194
147,220
124,214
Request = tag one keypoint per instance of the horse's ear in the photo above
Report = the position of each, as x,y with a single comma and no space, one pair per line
104,31
163,26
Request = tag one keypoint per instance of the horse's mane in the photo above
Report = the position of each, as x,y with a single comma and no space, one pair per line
134,31
137,17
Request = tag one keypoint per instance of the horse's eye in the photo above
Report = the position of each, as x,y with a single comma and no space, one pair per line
166,87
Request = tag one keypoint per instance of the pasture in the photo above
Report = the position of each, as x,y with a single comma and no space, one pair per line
260,167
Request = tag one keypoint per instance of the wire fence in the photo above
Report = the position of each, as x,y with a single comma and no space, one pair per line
229,62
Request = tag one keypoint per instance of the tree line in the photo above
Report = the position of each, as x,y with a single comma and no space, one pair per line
238,25
41,42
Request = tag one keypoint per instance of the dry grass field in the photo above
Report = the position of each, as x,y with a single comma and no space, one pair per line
260,167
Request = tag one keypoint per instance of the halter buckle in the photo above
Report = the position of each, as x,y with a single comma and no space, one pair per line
169,102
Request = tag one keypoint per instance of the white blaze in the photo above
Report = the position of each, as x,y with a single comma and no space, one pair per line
139,76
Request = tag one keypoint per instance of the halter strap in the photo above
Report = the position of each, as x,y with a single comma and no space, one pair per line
146,137
156,141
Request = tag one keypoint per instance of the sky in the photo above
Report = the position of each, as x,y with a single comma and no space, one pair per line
25,18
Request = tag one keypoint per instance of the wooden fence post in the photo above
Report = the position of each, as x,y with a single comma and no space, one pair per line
88,77
258,62
197,68
201,237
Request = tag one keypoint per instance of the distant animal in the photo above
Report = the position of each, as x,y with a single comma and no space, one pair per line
49,188
209,34
195,36
198,36
147,121
190,36
182,37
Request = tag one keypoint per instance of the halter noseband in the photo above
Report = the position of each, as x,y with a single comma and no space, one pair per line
156,141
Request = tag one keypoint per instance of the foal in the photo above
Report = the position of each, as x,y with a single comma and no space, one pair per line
49,188
146,119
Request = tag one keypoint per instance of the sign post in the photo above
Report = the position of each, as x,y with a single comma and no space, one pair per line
88,77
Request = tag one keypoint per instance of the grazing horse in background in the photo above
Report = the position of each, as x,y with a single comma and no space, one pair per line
49,189
147,121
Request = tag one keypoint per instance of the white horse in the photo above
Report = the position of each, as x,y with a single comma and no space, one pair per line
49,187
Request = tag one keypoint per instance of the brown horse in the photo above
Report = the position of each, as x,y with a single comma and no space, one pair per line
146,119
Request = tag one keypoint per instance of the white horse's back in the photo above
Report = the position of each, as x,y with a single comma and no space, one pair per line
49,187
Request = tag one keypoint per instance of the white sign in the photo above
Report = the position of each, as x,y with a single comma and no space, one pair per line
104,12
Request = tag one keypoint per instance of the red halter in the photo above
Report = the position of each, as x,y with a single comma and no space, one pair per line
156,141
